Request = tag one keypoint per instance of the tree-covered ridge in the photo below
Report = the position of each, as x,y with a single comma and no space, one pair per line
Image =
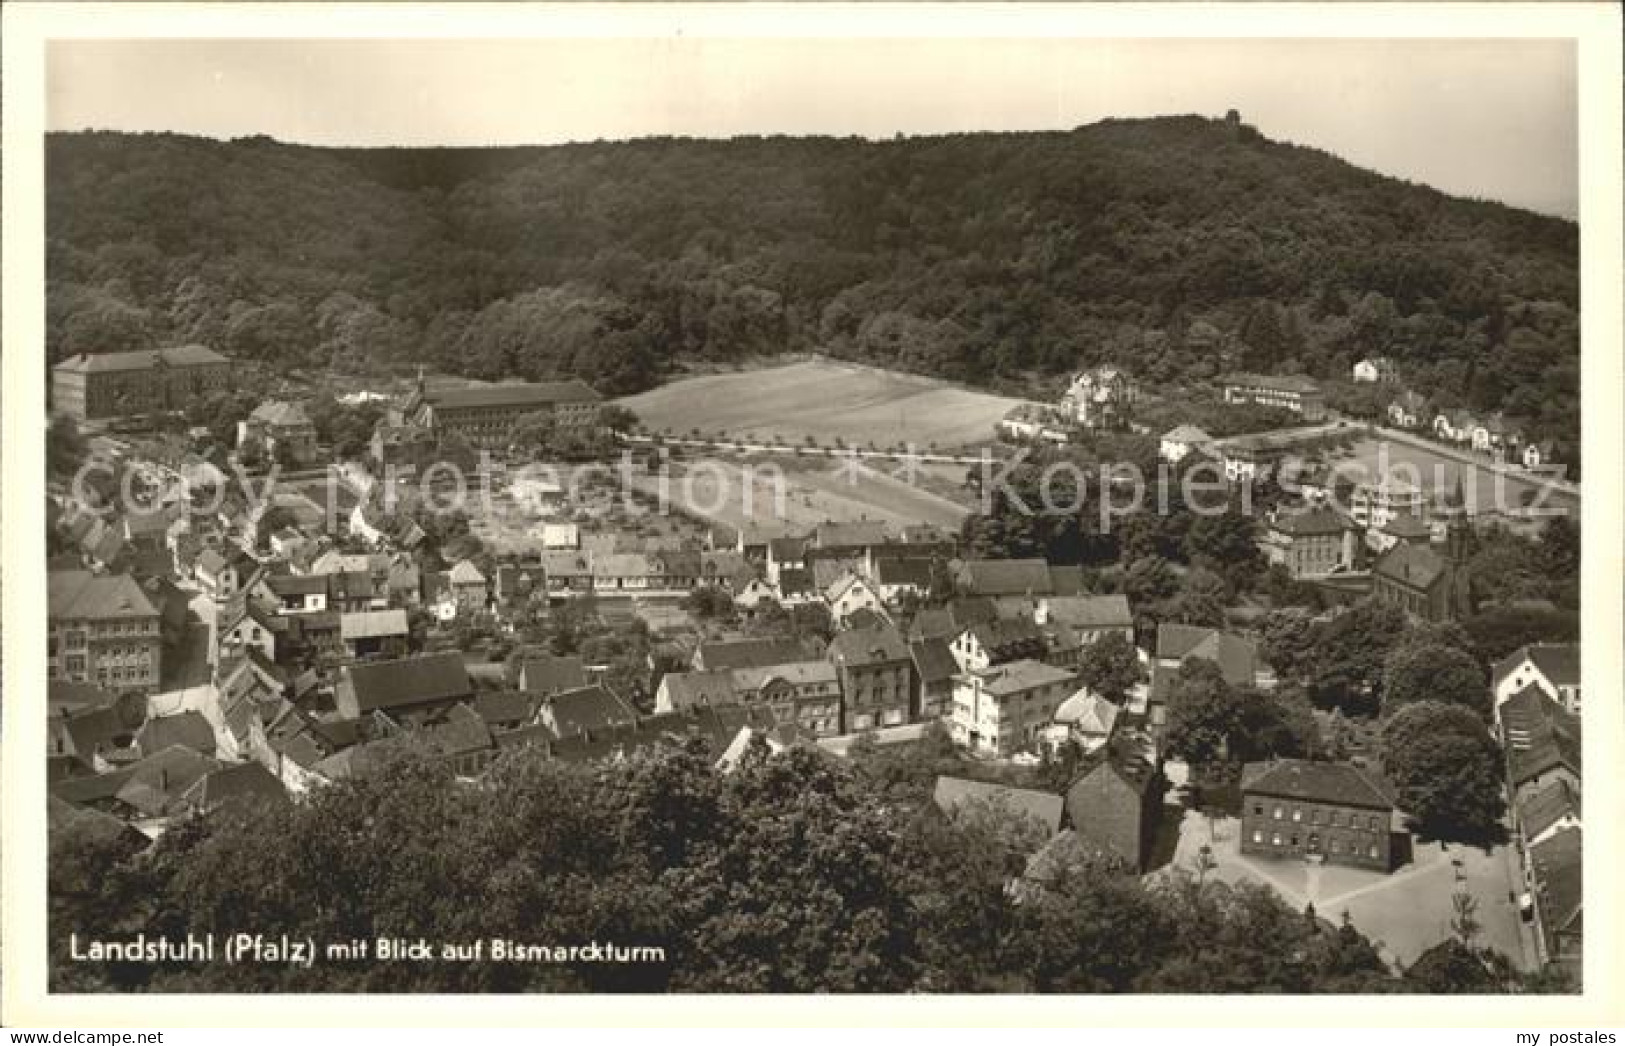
1177,246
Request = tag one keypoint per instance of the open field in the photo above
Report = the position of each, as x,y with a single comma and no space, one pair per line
826,401
1487,491
802,494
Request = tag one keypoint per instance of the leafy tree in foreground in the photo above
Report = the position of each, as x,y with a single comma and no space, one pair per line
1447,770
1432,672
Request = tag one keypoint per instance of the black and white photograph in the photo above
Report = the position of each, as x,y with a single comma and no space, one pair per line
814,514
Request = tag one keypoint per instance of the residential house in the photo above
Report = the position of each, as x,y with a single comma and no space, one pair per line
1033,423
997,642
1236,657
1538,454
283,429
486,415
102,629
406,687
583,710
1180,442
548,674
747,653
1310,543
805,693
1553,667
567,573
897,579
786,553
1556,872
1002,710
1101,397
1336,812
1408,410
1091,618
1004,577
622,572
220,573
1403,529
469,587
374,633
1542,742
1085,719
934,671
1545,811
190,729
558,536
1455,426
1113,809
679,691
877,677
401,449
849,594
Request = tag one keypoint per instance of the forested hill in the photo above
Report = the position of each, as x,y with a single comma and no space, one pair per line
1175,246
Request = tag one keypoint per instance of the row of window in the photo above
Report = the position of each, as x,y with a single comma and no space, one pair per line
1373,822
1334,845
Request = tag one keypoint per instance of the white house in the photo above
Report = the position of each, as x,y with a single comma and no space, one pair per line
1366,371
1408,410
1535,455
1085,718
1553,667
1179,442
848,594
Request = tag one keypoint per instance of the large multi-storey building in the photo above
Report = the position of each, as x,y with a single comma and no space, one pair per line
876,672
485,415
103,630
1292,392
1310,544
1000,711
126,384
1331,811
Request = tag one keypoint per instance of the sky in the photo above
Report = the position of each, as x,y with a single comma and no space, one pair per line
1495,119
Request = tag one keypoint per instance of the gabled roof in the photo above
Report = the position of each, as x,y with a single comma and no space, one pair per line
1415,566
850,535
1408,525
1558,865
1088,713
1236,657
933,660
787,550
237,782
1043,809
499,707
1005,577
409,681
588,708
466,573
916,572
1540,735
547,674
796,673
867,646
1005,632
76,595
158,781
689,689
1551,804
187,728
1340,784
1558,662
749,653
1091,612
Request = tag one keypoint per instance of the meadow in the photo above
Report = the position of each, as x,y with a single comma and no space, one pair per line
827,401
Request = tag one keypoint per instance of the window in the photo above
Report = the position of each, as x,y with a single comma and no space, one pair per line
1279,813
1337,846
1373,823
1314,817
1258,836
1275,840
1258,810
1372,853
1337,818
1297,815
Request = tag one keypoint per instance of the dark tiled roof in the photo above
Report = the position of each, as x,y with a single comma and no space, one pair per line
1091,612
1539,733
933,660
73,595
750,653
238,782
1043,808
1311,523
1558,662
502,707
535,394
1414,566
868,646
850,535
916,572
1559,876
409,681
188,728
589,708
549,675
1548,806
1236,657
1006,577
1339,784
